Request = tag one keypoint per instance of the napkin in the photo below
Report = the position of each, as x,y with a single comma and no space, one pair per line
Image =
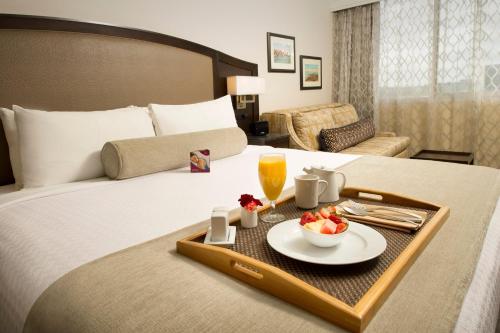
385,219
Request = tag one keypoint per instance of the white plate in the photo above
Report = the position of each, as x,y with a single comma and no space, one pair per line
361,243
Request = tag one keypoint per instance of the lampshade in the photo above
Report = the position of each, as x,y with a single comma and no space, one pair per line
245,85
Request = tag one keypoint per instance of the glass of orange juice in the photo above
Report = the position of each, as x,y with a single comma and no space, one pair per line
272,175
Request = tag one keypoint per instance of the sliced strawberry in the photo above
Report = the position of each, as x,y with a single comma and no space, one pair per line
328,227
332,209
335,218
324,212
341,227
307,217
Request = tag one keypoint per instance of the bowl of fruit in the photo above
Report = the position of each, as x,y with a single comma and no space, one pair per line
324,228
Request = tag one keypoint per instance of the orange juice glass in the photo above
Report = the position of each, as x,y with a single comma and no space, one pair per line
272,175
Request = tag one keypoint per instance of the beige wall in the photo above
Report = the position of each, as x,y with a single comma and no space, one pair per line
236,27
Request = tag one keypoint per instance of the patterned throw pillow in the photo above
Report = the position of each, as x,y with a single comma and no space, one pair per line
337,139
308,124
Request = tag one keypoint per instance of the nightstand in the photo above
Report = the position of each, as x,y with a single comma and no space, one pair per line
275,140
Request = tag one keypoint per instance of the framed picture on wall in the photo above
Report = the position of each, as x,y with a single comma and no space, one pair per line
280,53
310,73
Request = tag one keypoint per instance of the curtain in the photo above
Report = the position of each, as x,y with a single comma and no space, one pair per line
439,75
354,32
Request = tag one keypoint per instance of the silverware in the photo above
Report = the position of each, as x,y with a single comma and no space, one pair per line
355,211
361,207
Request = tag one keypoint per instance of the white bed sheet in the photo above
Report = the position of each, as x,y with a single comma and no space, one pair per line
45,233
479,311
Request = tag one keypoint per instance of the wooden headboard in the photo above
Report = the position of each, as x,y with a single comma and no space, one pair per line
58,64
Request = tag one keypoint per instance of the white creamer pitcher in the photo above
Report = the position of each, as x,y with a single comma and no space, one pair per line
329,175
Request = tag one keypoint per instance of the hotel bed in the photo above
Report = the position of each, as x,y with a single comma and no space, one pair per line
67,251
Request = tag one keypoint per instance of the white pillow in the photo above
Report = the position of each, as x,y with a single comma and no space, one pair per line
60,147
177,119
10,129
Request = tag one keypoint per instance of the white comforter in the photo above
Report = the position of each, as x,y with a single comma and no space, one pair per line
45,233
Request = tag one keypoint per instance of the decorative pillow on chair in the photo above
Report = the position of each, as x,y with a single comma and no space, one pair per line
308,125
337,139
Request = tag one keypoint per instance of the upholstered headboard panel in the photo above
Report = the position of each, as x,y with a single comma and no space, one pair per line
56,64
81,71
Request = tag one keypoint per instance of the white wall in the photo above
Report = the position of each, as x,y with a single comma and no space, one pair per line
235,27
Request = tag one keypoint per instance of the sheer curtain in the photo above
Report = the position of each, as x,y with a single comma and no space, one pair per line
439,75
354,32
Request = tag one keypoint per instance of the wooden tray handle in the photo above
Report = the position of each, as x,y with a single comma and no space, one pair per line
358,193
246,269
272,280
373,195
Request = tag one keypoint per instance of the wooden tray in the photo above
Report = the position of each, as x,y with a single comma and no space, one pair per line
291,288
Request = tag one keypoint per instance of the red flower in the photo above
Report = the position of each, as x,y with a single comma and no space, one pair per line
250,206
249,202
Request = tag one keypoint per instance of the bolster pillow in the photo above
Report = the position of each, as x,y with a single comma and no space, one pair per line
137,157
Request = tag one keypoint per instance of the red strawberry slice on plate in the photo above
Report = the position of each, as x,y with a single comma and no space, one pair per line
335,218
341,227
324,212
307,217
331,209
328,227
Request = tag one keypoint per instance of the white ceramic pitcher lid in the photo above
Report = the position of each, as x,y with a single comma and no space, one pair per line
322,168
